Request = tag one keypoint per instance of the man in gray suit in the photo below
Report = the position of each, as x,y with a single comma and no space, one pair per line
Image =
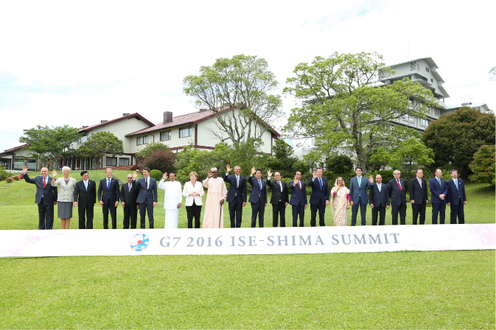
46,197
147,197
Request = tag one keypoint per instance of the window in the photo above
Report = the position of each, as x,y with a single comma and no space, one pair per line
185,132
432,80
111,161
423,122
427,69
413,65
138,141
145,139
165,136
123,161
82,139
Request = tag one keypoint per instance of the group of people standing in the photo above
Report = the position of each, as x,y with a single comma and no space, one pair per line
141,195
381,196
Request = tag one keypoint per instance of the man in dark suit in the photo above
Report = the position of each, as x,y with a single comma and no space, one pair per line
397,195
108,196
379,200
279,199
418,196
46,197
439,190
236,196
456,198
147,197
129,194
258,197
358,196
298,199
319,198
84,199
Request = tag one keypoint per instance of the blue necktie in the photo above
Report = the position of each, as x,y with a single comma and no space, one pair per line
320,182
456,184
108,184
260,184
85,185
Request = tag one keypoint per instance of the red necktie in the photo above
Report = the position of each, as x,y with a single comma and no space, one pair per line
44,182
299,185
399,185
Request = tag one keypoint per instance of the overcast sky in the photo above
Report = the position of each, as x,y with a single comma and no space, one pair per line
79,62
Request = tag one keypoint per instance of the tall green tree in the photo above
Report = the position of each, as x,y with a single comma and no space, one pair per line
51,143
100,143
345,106
483,165
456,137
243,83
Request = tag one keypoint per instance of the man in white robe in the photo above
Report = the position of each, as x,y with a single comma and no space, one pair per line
216,195
172,199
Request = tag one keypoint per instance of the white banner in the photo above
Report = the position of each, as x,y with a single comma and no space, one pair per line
99,242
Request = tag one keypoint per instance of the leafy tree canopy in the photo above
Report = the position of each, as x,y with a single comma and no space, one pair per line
483,165
242,82
150,148
99,144
456,137
52,142
344,105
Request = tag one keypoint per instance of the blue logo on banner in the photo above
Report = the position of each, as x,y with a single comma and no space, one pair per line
140,242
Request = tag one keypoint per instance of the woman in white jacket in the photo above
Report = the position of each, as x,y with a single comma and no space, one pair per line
193,191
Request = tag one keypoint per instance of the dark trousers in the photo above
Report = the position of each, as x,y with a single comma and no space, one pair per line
279,208
314,209
257,209
381,211
143,207
298,210
45,215
438,208
457,210
130,212
416,210
401,209
193,211
85,214
236,212
354,212
113,214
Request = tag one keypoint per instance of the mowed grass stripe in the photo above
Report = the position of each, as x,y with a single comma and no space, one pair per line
356,290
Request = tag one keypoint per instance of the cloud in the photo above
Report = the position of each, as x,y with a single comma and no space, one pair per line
80,62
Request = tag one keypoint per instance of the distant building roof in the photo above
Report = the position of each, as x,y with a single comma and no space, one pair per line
112,121
11,150
189,119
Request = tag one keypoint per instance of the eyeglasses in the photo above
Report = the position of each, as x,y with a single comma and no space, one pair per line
215,172
129,178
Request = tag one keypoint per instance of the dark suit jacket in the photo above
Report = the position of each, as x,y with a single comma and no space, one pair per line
108,196
240,191
454,194
319,196
277,195
355,190
149,195
419,195
396,196
298,196
379,199
437,190
86,198
257,194
49,192
129,197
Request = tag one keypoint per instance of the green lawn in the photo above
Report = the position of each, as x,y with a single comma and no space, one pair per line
400,290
